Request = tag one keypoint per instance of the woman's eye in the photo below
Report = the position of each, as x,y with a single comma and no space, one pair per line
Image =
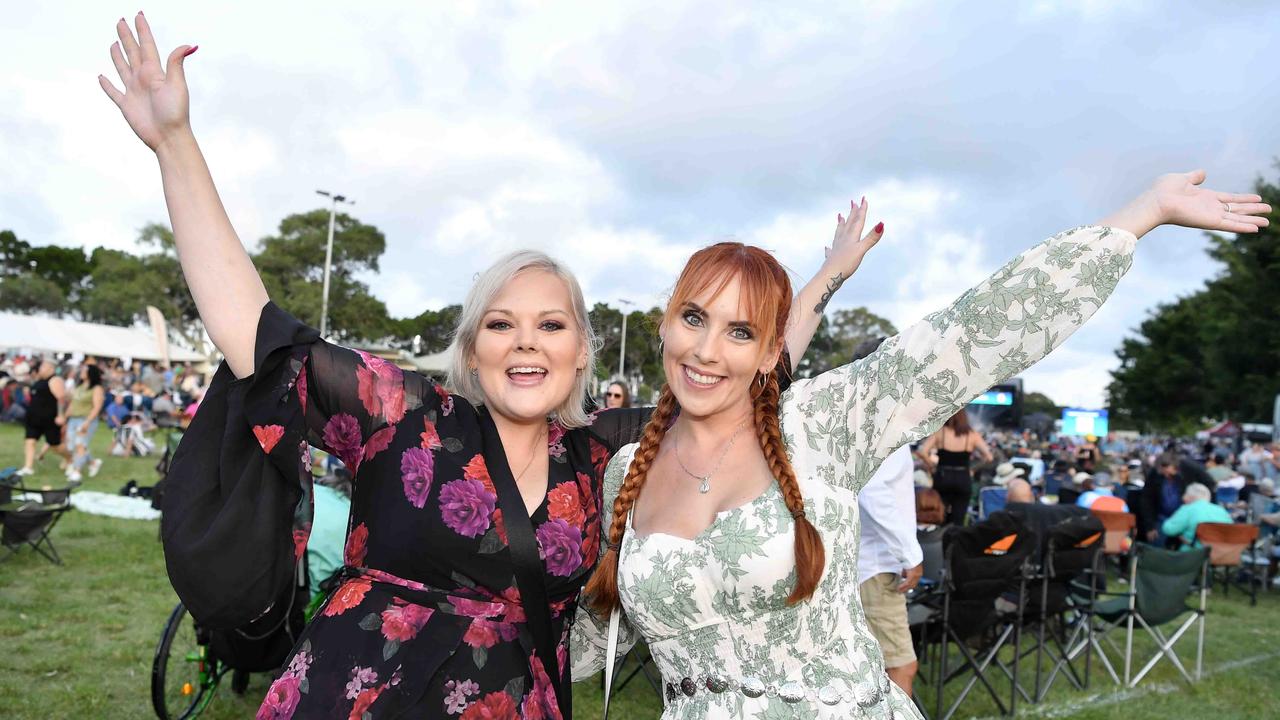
499,325
693,319
741,333
552,325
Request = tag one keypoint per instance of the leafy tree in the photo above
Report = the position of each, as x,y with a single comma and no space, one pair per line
434,326
1035,402
838,336
27,293
13,254
292,267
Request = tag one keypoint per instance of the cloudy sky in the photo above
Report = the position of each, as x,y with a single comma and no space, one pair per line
620,136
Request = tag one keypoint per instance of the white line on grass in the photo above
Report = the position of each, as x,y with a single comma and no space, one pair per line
1070,708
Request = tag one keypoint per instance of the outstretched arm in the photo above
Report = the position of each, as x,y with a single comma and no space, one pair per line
224,284
848,247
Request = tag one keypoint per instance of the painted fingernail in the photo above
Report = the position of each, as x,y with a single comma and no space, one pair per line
190,50
864,200
880,228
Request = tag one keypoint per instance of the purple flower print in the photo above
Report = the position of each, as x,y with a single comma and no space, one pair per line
342,435
560,546
465,506
417,467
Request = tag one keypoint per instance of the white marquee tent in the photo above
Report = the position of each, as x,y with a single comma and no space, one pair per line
45,335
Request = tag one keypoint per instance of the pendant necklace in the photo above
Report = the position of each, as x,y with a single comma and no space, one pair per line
704,484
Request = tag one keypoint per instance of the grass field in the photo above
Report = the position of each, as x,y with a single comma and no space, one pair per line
76,641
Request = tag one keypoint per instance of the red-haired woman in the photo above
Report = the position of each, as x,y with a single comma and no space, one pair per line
955,441
734,532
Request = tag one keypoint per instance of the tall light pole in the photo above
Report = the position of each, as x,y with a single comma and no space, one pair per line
622,353
328,258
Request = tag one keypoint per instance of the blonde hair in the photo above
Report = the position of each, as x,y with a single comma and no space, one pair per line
570,413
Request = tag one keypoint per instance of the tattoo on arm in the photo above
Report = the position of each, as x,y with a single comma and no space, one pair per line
836,281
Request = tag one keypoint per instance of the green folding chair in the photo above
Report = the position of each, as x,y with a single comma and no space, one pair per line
1160,582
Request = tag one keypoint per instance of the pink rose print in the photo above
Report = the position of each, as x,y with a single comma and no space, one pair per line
379,441
355,550
302,388
268,435
342,436
474,608
380,385
459,694
555,439
401,622
361,678
482,633
282,699
541,700
560,546
430,438
417,467
466,507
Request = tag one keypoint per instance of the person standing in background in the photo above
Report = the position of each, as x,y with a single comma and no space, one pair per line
955,443
618,395
87,401
44,417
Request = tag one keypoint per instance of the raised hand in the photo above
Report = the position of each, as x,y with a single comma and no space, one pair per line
849,245
1178,199
154,101
1183,202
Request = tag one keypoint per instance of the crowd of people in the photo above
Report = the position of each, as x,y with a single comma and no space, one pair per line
61,402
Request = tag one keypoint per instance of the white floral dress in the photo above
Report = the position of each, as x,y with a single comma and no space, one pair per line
713,609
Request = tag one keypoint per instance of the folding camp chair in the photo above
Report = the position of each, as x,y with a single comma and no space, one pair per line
1073,552
1159,583
1118,532
1226,543
29,519
983,563
991,499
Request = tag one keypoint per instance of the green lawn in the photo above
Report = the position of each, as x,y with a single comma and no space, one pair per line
78,639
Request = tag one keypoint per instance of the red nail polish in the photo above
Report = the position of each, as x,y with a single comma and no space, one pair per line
880,228
190,50
864,200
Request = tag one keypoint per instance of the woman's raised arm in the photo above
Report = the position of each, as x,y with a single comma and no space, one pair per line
224,283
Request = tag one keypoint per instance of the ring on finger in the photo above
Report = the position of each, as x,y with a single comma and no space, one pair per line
1228,207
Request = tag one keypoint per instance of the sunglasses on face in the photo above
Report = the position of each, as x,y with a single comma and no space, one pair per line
613,394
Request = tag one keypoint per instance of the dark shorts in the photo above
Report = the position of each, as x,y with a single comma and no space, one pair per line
51,431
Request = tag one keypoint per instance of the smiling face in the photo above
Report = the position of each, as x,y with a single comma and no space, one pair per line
529,349
712,351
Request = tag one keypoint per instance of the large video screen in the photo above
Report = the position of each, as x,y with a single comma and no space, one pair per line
1081,421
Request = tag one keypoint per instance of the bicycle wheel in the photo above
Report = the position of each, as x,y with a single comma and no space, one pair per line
183,675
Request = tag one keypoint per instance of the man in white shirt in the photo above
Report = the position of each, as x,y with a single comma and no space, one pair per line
889,561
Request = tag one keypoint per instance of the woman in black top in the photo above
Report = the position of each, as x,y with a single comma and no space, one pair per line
955,443
44,417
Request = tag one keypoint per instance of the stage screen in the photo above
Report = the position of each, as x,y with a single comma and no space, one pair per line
1081,422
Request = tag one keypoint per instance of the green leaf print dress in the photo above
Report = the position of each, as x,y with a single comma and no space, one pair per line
713,609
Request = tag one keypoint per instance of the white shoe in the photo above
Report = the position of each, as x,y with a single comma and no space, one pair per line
94,467
23,472
73,476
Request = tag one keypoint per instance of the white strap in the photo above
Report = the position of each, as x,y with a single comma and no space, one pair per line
611,657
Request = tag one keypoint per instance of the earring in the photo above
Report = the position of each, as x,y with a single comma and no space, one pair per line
474,372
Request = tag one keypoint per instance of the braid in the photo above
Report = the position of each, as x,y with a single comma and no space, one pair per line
809,551
602,589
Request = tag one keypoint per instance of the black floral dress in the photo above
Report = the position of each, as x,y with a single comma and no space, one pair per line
428,620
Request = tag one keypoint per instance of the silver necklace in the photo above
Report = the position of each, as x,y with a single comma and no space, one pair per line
704,481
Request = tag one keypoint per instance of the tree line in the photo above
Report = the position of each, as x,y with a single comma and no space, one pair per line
115,287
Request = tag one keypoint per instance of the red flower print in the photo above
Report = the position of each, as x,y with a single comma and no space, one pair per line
541,700
515,609
379,441
500,526
482,633
348,595
364,700
356,541
599,457
430,438
446,400
302,388
300,536
282,699
563,503
494,706
401,622
475,469
380,385
268,435
474,608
